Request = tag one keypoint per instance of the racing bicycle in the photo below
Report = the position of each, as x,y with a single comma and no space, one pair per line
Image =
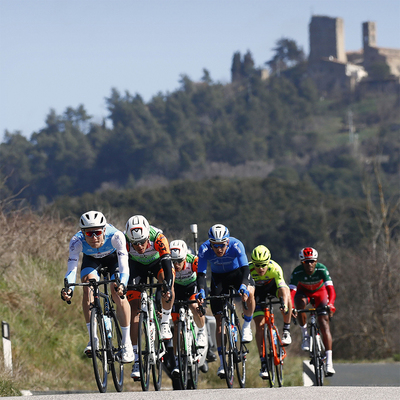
151,348
105,331
186,346
234,351
273,351
317,348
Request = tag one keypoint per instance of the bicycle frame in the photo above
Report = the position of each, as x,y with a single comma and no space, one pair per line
270,325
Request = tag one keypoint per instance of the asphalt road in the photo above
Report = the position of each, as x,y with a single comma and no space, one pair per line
287,393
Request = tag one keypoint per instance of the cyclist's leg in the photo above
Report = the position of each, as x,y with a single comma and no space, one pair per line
301,301
166,303
284,292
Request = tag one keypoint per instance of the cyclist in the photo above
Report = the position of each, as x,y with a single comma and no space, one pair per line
149,253
186,285
229,267
268,277
309,280
101,244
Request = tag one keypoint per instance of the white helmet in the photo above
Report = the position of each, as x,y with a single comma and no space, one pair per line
92,219
308,253
218,233
137,228
178,249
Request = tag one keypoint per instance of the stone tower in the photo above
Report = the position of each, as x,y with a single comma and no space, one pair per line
326,39
369,34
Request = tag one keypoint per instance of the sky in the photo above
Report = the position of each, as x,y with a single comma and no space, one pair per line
56,54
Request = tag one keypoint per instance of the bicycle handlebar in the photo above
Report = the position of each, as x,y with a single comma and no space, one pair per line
187,302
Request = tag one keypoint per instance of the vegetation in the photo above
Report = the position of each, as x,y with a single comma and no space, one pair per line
269,158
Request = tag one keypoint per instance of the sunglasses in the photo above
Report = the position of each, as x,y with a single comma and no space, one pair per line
178,260
218,245
309,261
260,265
137,242
94,233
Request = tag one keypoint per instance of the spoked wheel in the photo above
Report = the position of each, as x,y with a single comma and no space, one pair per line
182,354
117,367
269,356
240,352
194,365
144,353
99,349
279,367
227,352
159,349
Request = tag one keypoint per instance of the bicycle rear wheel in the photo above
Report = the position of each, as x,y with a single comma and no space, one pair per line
182,354
99,349
269,356
158,354
279,367
117,367
194,364
227,351
240,352
144,352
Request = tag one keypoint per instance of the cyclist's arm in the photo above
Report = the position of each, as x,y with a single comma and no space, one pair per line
118,241
75,248
331,296
162,246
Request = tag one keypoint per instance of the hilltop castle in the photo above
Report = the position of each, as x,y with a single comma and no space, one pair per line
334,69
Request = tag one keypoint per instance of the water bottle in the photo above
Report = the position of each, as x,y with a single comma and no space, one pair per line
234,332
274,337
107,323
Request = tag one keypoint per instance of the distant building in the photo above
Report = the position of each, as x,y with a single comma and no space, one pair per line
333,69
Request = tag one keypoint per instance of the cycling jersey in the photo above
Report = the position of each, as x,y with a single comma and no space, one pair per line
310,284
188,274
157,246
114,240
234,257
274,272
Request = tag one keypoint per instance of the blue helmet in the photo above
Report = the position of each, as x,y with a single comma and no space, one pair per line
218,233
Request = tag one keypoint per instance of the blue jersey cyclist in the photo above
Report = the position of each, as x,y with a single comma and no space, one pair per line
101,245
229,267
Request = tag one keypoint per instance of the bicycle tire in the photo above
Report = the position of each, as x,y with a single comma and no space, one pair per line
194,366
240,356
144,352
269,356
227,351
279,367
117,367
182,351
314,356
321,361
156,368
99,352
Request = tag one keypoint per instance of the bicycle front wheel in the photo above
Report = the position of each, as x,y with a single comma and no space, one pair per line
194,363
182,350
279,367
117,367
227,351
144,352
240,352
321,361
269,356
315,357
99,349
159,351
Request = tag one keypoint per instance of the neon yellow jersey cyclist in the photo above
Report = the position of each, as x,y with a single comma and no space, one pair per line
268,277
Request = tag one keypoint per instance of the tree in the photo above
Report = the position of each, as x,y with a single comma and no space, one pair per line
287,55
236,69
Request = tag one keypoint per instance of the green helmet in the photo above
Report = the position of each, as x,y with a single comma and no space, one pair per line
260,254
